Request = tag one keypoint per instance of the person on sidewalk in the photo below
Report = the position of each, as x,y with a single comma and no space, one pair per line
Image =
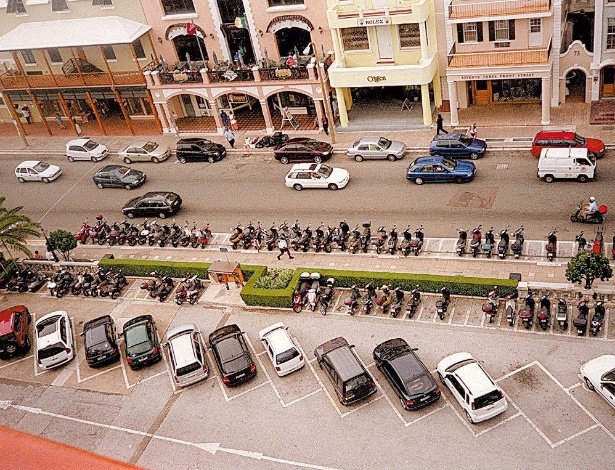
224,118
77,126
59,121
283,246
233,120
472,131
25,112
439,125
325,124
228,134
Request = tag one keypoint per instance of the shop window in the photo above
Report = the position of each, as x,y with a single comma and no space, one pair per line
355,39
15,6
59,5
109,52
139,51
516,90
54,55
535,25
469,32
409,35
610,33
281,3
177,7
28,57
502,30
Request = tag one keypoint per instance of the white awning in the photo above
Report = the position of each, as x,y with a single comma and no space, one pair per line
78,32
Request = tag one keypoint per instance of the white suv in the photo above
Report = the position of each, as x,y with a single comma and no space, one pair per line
475,391
54,340
186,354
281,349
316,175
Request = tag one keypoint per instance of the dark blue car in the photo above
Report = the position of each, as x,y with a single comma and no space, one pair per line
457,146
438,169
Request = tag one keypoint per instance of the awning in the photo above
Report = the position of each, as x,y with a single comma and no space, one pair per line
78,32
289,21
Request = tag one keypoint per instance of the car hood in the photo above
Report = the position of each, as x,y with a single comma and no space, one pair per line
159,151
396,147
339,174
596,368
133,175
52,170
479,144
99,150
594,145
464,166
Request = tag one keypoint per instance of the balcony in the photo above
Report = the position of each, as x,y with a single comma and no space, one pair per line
459,9
13,80
498,58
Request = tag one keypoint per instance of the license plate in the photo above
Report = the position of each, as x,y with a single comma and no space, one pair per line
240,376
424,399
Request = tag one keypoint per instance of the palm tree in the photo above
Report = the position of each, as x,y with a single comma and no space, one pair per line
14,228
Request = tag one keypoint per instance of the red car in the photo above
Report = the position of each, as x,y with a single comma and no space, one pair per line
14,326
548,139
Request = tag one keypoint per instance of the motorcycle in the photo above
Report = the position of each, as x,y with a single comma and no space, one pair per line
312,298
503,243
527,314
476,241
354,240
397,304
342,237
352,302
204,236
392,243
368,302
551,245
236,237
517,246
598,244
597,319
511,308
271,238
36,282
404,246
319,241
562,314
442,304
460,246
143,233
595,218
327,296
417,242
379,240
165,288
580,322
188,291
83,234
384,301
366,236
582,245
487,247
413,305
491,307
545,312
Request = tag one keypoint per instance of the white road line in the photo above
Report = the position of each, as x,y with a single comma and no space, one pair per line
17,361
324,388
491,428
97,374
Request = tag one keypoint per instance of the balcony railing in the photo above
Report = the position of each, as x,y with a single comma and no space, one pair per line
460,9
295,73
231,75
13,80
498,58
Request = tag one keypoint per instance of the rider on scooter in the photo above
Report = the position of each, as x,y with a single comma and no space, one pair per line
591,209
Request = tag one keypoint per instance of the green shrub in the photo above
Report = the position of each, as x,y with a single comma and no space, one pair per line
274,278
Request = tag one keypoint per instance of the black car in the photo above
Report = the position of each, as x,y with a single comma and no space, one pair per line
118,176
141,341
199,150
232,355
100,341
157,204
406,373
301,149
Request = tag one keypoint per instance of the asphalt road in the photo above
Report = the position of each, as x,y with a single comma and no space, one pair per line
242,189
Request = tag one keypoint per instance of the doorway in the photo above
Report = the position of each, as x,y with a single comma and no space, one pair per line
575,86
607,75
292,40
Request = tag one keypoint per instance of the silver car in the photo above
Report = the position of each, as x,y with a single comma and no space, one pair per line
377,148
149,151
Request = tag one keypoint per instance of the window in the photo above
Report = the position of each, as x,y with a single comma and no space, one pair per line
610,33
54,55
15,6
501,30
139,51
28,57
59,5
177,7
470,32
409,35
535,25
109,52
281,3
355,39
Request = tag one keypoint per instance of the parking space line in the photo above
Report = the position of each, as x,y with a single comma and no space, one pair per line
309,363
467,317
491,428
386,397
408,423
17,361
149,378
450,316
79,380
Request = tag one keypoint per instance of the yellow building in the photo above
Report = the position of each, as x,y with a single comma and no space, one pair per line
385,52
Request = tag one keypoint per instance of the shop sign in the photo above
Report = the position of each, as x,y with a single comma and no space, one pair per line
180,77
230,75
499,76
378,21
376,78
283,73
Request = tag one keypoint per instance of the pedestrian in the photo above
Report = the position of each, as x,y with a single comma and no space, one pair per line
77,126
37,255
472,131
224,118
59,121
25,112
49,256
439,125
283,246
325,124
233,121
230,137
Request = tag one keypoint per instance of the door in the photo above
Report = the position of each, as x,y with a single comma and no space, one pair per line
481,92
188,106
535,34
385,42
607,389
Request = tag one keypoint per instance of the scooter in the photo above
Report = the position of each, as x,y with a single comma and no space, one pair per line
404,246
487,247
597,319
527,314
511,308
598,244
460,246
551,245
580,322
545,312
393,240
368,300
312,298
327,296
380,239
476,241
352,302
417,242
399,300
366,236
413,305
384,302
562,314
236,237
491,307
582,245
504,243
595,218
297,301
517,246
442,304
354,240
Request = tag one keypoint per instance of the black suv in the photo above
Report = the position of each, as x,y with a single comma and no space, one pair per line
157,204
351,381
199,150
100,341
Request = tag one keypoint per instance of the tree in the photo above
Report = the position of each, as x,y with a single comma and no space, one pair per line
63,241
588,267
15,228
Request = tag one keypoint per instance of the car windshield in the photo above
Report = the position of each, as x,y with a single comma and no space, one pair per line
384,143
609,376
51,351
150,146
232,355
90,145
286,356
580,140
357,383
188,369
449,163
121,171
465,140
47,327
137,338
312,144
488,399
40,167
325,170
171,197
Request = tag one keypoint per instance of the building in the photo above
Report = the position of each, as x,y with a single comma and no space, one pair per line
79,62
385,52
263,60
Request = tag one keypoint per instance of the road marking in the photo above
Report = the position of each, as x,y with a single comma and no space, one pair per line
17,361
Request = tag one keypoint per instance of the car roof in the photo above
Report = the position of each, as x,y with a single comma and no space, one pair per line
141,143
305,166
223,332
28,164
97,321
424,160
279,340
345,362
54,336
110,168
7,318
371,139
447,137
193,140
80,141
181,344
137,320
475,378
180,329
546,134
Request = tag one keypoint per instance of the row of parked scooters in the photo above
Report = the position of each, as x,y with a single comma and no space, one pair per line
145,233
161,285
103,283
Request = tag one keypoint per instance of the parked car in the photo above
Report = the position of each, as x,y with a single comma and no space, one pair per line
156,203
85,149
316,175
351,381
406,374
14,326
186,354
546,139
599,376
35,170
100,341
457,146
377,148
54,340
477,393
199,150
149,151
302,149
232,355
118,176
141,344
440,170
284,353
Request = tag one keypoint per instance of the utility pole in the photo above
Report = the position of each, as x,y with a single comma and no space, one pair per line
327,102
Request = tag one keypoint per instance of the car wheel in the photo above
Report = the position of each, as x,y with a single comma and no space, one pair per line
298,187
127,186
70,159
548,179
100,185
391,158
182,160
211,159
127,160
419,181
473,156
589,384
155,160
458,180
27,344
333,187
21,180
45,180
284,160
583,178
10,348
259,145
469,418
130,215
358,158
162,215
317,159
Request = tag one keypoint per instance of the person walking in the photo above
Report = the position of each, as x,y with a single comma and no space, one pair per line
230,137
472,131
25,112
283,246
233,121
325,124
224,118
77,126
59,121
439,125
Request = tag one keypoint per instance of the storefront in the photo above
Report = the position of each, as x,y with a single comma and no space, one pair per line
483,92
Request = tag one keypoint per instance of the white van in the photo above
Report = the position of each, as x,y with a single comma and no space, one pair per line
566,163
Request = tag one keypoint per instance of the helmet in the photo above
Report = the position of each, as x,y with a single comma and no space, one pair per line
592,198
99,217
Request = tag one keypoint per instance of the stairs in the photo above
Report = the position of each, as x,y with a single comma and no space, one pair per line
602,112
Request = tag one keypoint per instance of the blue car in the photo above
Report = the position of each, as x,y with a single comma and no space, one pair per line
457,146
438,169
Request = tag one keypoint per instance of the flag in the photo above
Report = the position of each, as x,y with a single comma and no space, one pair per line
191,29
240,22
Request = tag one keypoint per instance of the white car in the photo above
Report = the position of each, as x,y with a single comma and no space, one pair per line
144,152
35,170
476,392
85,149
186,355
599,376
54,340
316,175
377,148
281,349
